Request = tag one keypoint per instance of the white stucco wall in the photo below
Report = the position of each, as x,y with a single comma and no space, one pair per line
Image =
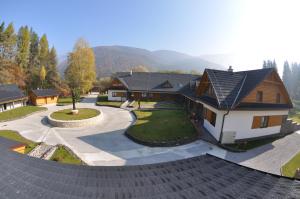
214,130
111,98
241,123
11,105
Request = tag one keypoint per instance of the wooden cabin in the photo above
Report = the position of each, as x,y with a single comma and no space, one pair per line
43,96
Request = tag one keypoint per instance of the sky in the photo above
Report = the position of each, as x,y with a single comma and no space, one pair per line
251,30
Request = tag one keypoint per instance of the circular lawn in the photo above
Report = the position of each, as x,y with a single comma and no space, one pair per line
162,128
83,113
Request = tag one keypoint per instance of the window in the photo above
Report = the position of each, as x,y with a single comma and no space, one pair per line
264,121
259,96
278,98
114,94
52,98
210,116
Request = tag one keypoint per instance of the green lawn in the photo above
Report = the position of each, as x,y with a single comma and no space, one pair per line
13,135
252,144
162,125
19,112
289,169
65,101
294,113
103,101
160,104
84,113
62,155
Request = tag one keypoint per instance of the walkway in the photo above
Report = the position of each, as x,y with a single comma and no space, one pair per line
105,143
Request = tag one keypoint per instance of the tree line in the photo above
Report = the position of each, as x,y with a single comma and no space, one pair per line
27,60
291,79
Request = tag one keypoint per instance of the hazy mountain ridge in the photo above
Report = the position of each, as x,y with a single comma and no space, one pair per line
110,59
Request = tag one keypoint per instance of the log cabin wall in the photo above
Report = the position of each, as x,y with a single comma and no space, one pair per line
270,87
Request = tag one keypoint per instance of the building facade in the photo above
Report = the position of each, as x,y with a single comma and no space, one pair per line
43,96
11,97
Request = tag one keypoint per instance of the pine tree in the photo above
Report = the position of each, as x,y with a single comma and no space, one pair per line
265,64
9,43
274,65
44,51
81,72
287,76
23,48
53,77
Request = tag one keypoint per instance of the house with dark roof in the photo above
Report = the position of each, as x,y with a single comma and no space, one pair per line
245,105
149,85
11,97
231,106
43,96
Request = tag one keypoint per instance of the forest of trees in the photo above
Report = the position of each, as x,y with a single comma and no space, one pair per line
27,60
291,79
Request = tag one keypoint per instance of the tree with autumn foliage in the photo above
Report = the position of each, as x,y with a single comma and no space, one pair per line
81,71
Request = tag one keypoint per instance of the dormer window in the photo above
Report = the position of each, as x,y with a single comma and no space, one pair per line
278,98
259,96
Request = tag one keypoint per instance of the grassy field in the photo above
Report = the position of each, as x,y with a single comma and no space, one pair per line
84,113
289,168
64,156
103,101
65,101
13,135
294,114
162,125
153,104
19,112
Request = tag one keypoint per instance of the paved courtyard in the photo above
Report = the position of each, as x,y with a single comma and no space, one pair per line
105,143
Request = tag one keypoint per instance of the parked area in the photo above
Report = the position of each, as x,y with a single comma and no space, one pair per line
162,126
20,112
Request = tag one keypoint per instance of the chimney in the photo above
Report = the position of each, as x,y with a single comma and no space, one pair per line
130,72
230,69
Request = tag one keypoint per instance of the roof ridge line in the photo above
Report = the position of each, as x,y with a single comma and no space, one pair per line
214,89
239,91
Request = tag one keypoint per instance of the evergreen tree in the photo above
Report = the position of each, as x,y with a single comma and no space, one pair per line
287,76
81,72
53,77
274,65
44,51
9,43
23,48
265,64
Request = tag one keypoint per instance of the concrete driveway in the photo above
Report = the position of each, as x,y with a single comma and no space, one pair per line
105,143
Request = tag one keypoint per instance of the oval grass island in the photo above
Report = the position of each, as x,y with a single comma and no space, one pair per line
64,118
162,128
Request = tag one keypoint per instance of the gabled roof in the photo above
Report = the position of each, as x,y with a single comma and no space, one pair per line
10,92
231,87
45,92
204,176
153,81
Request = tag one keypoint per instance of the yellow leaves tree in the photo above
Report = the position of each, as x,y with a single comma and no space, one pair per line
42,75
81,71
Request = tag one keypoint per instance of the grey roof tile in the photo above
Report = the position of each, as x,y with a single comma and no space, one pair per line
45,92
199,177
10,92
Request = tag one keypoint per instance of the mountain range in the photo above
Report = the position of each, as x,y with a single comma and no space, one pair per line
110,59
